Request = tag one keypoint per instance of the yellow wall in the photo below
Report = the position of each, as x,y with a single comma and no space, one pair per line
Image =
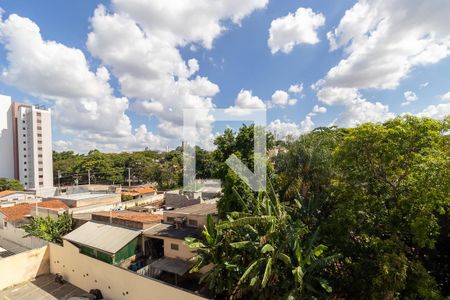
183,250
115,283
23,267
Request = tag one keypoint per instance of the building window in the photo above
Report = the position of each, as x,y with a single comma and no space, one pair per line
170,219
39,142
25,176
41,183
25,156
193,222
39,155
24,149
174,247
25,170
24,128
23,121
39,134
41,169
24,135
24,142
39,128
38,114
41,176
5,224
24,162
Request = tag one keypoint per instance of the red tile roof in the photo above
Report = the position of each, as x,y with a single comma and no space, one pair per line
139,190
55,204
7,193
132,216
16,212
19,211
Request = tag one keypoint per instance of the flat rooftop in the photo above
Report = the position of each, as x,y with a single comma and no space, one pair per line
169,230
84,196
201,209
44,288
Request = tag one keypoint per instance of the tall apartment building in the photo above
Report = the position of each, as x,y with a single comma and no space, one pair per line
26,144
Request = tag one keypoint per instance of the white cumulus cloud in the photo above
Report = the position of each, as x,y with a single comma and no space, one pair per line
281,98
296,88
438,111
294,29
384,40
319,109
410,96
446,97
84,104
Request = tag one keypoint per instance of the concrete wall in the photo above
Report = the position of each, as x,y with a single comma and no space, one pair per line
121,205
20,197
85,188
16,235
183,251
23,267
114,282
44,212
147,200
111,199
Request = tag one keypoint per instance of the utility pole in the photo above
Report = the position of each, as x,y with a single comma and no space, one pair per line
89,177
129,177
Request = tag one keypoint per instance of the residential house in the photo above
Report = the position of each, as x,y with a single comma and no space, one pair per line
113,237
17,215
165,242
11,198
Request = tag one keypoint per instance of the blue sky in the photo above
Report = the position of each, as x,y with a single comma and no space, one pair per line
399,57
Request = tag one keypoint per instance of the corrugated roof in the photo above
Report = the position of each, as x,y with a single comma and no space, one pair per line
172,265
104,237
196,209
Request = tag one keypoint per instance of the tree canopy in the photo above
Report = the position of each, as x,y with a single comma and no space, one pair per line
369,207
13,185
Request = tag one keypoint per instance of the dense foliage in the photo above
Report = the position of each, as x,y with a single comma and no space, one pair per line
240,144
50,229
13,185
263,252
161,168
360,213
370,205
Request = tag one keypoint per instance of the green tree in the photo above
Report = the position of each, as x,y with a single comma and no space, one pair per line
391,190
50,229
240,144
262,253
13,185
